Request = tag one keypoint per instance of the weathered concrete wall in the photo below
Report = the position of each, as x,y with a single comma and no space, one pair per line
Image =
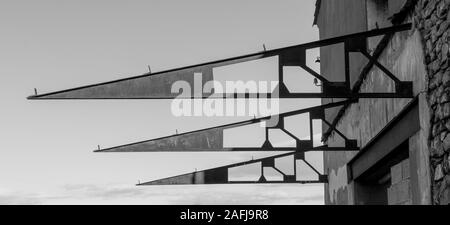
404,56
432,19
339,18
429,148
399,192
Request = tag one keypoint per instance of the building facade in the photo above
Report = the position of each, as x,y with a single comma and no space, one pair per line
405,143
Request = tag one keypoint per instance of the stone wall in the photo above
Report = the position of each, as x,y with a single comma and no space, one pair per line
404,56
432,19
422,56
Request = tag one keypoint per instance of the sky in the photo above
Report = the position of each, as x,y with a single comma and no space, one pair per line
46,146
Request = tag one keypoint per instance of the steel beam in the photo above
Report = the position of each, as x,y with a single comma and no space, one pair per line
220,175
158,85
211,139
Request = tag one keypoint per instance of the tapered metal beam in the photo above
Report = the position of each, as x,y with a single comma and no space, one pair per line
211,139
220,175
158,85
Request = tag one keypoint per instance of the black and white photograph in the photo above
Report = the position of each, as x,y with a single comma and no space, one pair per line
235,103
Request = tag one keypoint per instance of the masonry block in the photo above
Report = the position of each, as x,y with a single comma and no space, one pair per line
392,196
405,169
399,193
404,191
396,174
409,202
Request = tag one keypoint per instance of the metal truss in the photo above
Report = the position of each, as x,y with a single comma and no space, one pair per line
158,85
220,175
211,139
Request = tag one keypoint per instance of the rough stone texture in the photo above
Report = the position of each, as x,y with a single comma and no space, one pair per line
432,19
421,56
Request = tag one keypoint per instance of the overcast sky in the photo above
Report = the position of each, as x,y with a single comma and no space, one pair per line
46,146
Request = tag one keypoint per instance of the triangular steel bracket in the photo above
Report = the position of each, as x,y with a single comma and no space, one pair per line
158,85
220,175
212,139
